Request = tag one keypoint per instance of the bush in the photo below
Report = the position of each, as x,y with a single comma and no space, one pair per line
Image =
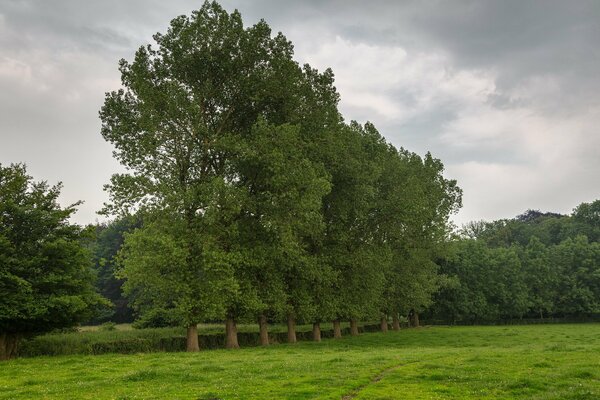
156,318
108,326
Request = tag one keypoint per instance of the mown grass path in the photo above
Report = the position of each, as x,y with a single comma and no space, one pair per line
508,362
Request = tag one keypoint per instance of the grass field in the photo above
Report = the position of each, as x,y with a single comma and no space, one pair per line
508,362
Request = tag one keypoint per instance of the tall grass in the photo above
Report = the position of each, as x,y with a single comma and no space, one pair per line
125,340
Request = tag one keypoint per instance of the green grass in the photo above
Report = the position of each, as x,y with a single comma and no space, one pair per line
516,362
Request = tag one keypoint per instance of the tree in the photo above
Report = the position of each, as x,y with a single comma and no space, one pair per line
349,247
541,277
281,212
180,124
46,279
578,264
415,202
108,240
587,218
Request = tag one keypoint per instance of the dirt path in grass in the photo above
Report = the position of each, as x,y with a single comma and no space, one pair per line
355,392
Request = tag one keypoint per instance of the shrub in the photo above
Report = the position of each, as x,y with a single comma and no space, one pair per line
108,326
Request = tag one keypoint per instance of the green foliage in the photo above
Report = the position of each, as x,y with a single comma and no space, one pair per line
219,115
578,263
536,265
415,204
107,242
255,197
46,279
156,317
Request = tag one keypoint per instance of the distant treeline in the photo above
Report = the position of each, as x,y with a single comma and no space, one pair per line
537,265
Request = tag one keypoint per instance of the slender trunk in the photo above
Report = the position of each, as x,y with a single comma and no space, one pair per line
9,344
317,332
231,334
264,331
353,327
291,329
384,324
337,329
3,347
192,338
415,320
395,322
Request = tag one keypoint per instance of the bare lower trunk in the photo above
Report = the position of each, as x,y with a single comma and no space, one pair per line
395,322
384,324
9,345
192,338
264,331
291,329
337,329
413,319
231,334
353,327
317,332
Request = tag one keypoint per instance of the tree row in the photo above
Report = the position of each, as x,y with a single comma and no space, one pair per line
256,199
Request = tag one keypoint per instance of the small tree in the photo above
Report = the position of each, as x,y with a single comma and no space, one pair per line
46,279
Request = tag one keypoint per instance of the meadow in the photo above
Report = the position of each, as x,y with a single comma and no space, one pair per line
492,362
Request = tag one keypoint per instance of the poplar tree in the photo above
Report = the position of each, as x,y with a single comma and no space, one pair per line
180,126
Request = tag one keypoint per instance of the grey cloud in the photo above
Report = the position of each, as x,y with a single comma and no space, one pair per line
58,58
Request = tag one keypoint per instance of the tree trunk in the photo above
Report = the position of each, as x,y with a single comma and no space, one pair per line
337,330
384,324
192,338
353,327
264,330
317,332
413,318
395,322
9,344
291,329
231,334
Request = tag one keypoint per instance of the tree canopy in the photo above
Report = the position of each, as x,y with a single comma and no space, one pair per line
46,280
535,265
257,199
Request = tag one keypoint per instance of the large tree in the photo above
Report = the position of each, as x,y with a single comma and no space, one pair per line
46,279
182,121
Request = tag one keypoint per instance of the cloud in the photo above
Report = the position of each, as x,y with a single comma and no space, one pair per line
505,93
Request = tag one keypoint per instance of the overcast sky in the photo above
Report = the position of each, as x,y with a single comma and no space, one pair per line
506,93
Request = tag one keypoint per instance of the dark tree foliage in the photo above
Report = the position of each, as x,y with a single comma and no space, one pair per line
46,279
533,215
109,238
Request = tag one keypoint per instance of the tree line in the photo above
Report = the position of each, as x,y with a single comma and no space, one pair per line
257,199
536,265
